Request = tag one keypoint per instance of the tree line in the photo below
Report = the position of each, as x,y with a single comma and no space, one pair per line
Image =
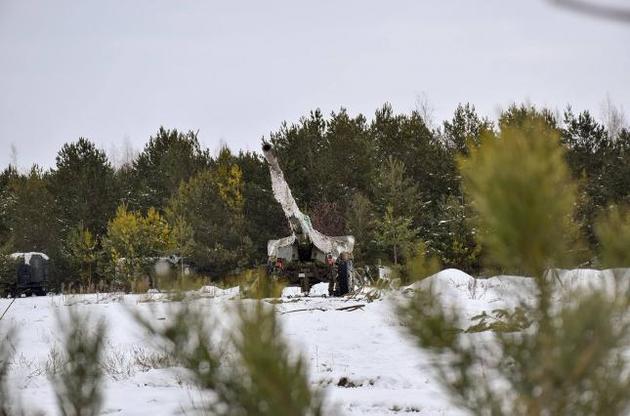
392,181
559,347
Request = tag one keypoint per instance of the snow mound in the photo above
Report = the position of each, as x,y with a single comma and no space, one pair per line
448,279
474,295
320,289
588,279
214,291
462,291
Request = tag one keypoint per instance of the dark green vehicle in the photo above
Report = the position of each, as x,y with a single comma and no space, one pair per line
25,273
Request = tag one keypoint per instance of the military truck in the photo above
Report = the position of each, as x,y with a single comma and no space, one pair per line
306,257
25,273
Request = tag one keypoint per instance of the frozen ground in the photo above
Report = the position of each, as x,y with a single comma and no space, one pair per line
366,346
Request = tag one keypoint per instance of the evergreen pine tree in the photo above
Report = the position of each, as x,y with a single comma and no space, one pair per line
212,204
571,360
360,221
84,187
170,158
81,250
30,205
395,234
465,129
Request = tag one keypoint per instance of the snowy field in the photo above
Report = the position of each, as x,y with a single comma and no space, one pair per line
387,373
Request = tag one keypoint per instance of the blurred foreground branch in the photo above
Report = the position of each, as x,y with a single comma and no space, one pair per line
620,14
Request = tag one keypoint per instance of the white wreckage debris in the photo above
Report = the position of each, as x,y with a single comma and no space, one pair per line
300,223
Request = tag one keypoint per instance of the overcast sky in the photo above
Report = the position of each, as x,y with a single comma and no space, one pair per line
114,71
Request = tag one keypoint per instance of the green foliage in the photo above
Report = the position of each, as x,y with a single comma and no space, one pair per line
29,213
81,251
395,234
8,177
343,169
170,158
228,178
572,363
454,241
79,384
525,117
585,137
513,181
326,160
501,320
8,271
251,373
589,155
183,236
177,284
300,148
617,175
419,265
360,221
465,129
613,231
428,163
394,189
256,284
84,188
348,157
571,360
134,242
211,203
275,383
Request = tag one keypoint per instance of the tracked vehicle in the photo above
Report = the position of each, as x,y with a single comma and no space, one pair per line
306,257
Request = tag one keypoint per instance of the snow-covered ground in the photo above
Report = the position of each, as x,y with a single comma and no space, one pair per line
367,346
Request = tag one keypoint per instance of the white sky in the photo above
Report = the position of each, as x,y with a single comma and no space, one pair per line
116,70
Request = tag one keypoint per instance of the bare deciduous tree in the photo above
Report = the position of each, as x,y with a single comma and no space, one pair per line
613,117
